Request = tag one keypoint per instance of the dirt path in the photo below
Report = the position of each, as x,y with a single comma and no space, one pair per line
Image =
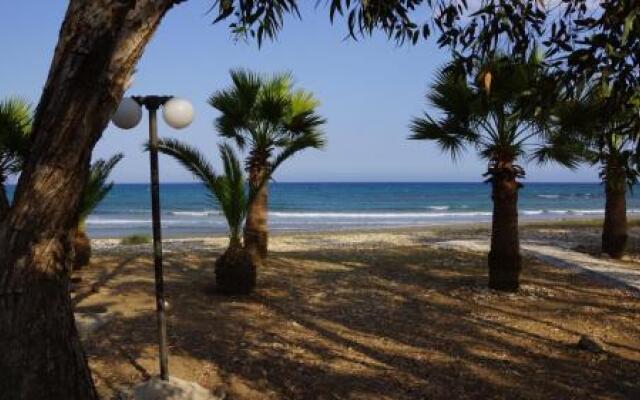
622,274
359,316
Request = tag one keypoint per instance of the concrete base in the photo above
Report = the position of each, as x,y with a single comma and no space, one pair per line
173,389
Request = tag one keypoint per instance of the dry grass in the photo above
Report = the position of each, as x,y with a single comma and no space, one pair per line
396,322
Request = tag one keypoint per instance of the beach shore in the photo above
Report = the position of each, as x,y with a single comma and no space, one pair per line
384,314
578,234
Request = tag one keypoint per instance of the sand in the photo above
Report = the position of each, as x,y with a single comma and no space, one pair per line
368,315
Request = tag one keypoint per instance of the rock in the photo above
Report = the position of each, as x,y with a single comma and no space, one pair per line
173,389
89,322
589,344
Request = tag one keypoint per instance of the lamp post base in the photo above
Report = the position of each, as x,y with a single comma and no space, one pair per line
171,389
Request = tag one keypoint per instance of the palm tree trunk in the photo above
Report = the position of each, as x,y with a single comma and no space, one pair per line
504,257
81,247
235,270
235,242
98,47
614,229
256,233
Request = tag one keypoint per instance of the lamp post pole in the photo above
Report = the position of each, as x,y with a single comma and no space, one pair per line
178,113
152,104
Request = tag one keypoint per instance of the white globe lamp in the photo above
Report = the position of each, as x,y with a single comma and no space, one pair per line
177,113
128,114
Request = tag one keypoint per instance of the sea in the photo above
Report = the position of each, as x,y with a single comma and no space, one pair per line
188,210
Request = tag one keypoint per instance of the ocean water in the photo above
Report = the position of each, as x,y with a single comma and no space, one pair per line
188,210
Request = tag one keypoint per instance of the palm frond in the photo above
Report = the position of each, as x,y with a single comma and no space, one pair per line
507,150
247,83
300,123
308,140
16,118
97,187
190,158
302,102
227,190
501,108
270,116
236,105
231,191
274,100
566,154
427,128
451,94
603,130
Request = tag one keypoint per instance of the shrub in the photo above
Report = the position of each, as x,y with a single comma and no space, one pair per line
135,239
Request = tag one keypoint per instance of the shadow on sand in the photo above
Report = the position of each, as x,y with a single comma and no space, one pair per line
398,323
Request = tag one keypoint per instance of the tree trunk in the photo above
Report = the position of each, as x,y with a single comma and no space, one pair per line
81,247
614,229
235,271
256,233
504,256
98,47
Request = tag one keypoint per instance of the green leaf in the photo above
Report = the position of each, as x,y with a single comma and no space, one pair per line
628,25
97,187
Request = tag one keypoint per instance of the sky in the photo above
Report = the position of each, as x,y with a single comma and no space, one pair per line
369,91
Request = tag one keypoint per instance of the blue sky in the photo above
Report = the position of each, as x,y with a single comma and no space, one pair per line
369,91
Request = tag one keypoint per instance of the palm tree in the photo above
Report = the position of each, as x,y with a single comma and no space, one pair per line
274,121
94,192
498,113
15,128
607,134
235,269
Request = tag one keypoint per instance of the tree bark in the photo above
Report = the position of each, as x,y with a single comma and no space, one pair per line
98,47
614,229
256,233
235,271
504,260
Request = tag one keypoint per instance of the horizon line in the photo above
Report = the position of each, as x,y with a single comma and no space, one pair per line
349,182
196,182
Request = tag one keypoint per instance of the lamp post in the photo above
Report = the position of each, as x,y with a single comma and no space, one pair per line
177,113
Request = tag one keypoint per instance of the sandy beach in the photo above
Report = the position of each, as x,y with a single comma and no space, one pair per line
384,314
